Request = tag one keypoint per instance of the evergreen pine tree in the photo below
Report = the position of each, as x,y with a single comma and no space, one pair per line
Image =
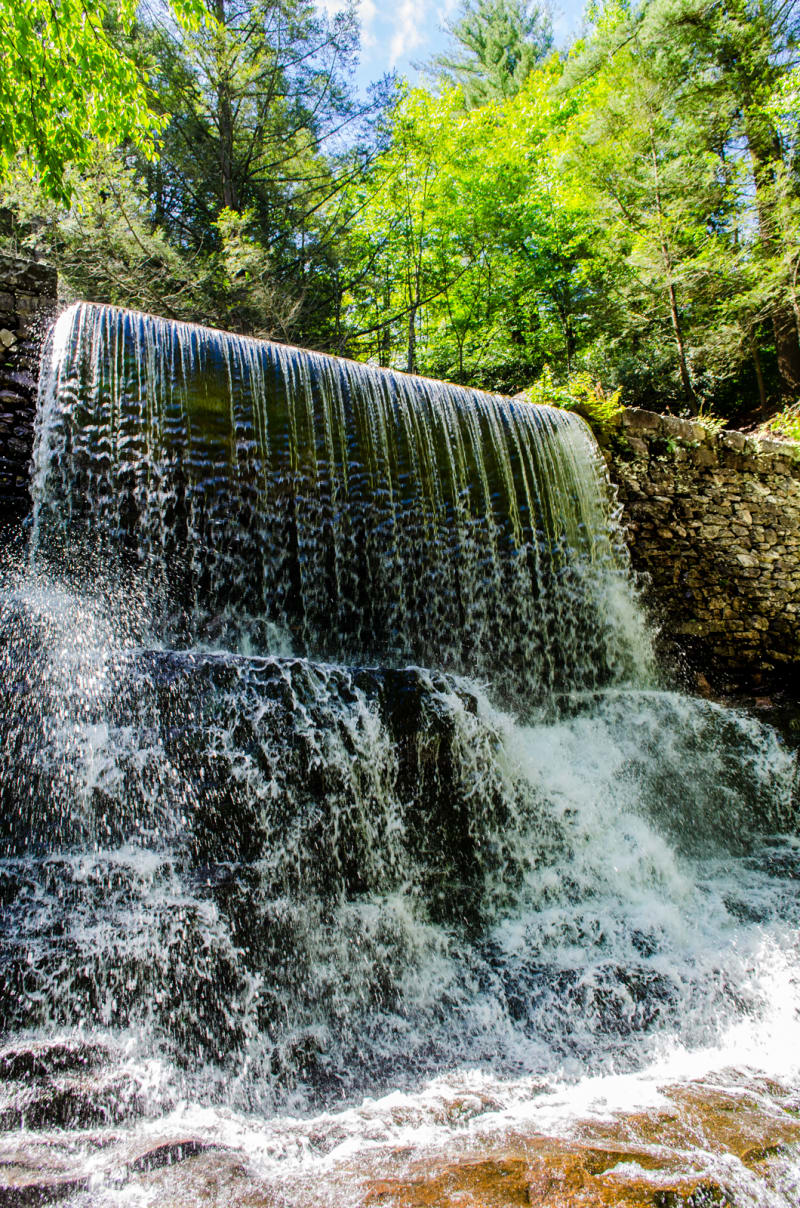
498,43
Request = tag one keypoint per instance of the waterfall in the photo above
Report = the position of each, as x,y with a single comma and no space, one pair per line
333,759
280,499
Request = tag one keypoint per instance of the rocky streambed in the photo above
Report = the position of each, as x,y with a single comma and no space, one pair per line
77,1127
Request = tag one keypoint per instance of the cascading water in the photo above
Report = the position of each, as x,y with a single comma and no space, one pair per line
265,495
265,822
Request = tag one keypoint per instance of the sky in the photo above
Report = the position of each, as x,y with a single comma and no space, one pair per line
397,33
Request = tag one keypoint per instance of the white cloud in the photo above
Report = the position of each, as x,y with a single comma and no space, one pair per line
367,12
447,9
409,26
393,32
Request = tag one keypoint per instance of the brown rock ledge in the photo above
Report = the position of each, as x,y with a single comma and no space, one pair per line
697,1150
710,1143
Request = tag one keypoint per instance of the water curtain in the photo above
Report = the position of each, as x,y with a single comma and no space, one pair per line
278,499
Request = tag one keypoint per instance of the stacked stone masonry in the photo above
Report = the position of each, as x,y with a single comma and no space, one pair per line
713,522
27,306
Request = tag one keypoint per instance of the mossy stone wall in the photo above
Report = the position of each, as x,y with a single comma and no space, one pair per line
713,522
27,307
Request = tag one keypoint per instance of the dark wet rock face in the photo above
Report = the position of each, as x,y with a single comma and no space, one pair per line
241,810
71,1084
27,306
295,879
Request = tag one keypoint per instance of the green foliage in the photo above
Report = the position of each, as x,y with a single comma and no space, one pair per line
105,246
478,252
69,78
634,215
238,218
257,104
686,144
497,45
709,419
581,393
786,423
629,215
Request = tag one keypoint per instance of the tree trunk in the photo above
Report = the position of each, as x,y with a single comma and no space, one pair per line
230,199
385,332
765,155
565,320
686,377
787,348
762,393
411,364
157,192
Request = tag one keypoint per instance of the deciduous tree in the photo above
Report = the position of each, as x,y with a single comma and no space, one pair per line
68,77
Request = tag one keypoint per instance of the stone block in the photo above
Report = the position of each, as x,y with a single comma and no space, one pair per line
27,303
772,448
737,441
681,429
703,456
638,447
29,276
641,422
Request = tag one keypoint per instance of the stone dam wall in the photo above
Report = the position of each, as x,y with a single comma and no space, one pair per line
713,524
27,307
713,520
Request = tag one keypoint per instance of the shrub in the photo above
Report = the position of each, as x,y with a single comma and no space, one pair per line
786,423
578,393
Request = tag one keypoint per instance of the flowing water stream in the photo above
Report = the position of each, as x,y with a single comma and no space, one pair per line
337,782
